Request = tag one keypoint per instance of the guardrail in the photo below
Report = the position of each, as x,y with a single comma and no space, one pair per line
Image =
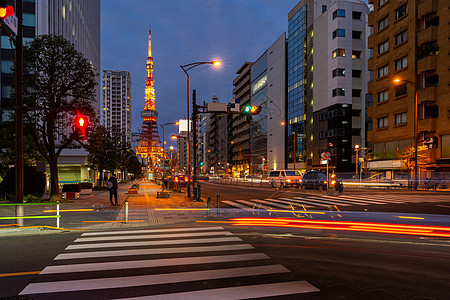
19,217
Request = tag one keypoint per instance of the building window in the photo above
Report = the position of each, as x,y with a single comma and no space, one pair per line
401,63
383,23
400,90
401,37
382,2
29,19
356,93
401,11
383,96
324,8
356,34
400,118
338,52
445,143
356,54
338,72
338,33
383,122
338,92
6,91
356,73
356,15
383,71
6,66
383,47
339,13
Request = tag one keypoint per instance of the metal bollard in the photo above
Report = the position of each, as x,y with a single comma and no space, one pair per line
218,204
208,205
57,213
126,212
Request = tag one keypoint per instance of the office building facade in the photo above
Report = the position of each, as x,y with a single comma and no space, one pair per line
410,45
116,105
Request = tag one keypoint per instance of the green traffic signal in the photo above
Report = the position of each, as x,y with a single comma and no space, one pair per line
251,110
246,110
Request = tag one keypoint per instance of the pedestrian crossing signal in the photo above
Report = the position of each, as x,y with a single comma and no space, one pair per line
81,125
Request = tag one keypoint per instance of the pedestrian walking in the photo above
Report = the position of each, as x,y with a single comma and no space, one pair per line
113,185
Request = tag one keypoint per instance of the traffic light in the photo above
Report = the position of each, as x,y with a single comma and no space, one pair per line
81,125
332,180
251,110
201,164
5,11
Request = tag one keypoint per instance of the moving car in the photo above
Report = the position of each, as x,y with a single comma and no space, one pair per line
314,180
281,178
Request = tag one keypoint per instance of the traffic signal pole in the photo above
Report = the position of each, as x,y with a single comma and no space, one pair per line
19,104
194,144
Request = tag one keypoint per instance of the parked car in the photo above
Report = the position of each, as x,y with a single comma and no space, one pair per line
182,179
281,178
314,180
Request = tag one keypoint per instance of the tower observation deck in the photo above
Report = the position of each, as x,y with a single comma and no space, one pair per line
149,145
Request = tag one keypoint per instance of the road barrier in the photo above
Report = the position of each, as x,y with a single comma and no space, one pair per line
20,218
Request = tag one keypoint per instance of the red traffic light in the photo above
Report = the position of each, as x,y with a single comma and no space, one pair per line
6,11
81,125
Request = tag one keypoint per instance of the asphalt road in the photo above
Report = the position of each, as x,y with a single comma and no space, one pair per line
308,264
419,202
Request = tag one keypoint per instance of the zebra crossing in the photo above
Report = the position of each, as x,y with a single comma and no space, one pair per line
325,201
174,263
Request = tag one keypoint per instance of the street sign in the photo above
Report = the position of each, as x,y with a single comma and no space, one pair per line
234,105
325,155
216,107
11,22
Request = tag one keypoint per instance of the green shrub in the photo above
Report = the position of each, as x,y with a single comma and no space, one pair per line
71,187
86,185
34,182
33,199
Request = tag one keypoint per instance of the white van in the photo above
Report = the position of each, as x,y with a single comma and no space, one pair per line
280,178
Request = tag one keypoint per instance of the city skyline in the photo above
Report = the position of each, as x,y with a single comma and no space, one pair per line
215,27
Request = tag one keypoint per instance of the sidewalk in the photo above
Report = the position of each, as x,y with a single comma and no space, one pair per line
144,210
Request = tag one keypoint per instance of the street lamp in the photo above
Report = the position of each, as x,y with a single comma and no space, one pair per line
186,68
163,126
357,149
175,137
416,141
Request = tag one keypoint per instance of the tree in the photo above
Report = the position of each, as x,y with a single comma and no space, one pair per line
102,153
57,79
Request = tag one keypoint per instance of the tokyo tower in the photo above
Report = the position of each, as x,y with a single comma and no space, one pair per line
149,145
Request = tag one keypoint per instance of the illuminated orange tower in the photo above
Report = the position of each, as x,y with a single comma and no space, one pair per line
149,145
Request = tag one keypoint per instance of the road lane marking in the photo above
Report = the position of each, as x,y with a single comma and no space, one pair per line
153,243
231,203
146,280
253,205
150,236
152,231
114,253
271,203
239,292
151,263
19,273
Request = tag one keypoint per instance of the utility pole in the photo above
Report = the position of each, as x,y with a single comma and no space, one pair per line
194,143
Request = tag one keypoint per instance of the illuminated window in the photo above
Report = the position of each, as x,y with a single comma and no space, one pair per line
259,84
338,52
356,54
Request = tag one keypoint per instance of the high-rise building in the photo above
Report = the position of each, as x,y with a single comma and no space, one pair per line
410,44
78,22
116,107
327,43
340,77
240,124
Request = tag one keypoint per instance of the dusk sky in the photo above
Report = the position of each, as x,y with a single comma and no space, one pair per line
186,31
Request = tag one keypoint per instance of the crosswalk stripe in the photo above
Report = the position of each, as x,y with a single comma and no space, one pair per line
231,203
143,280
114,253
154,243
314,203
326,201
341,202
239,292
254,204
150,236
271,203
151,263
150,231
364,199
